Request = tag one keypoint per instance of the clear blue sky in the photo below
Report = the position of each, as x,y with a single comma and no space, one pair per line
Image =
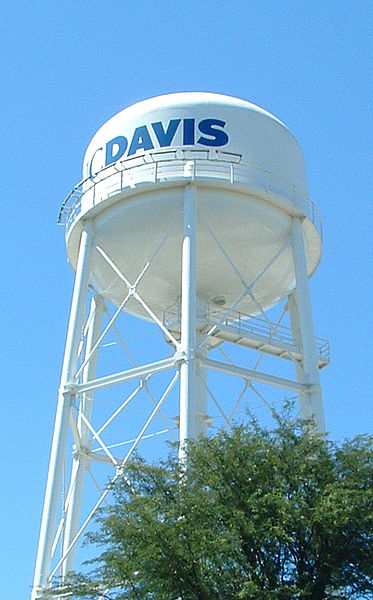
69,66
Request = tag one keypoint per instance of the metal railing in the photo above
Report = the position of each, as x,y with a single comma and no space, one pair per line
246,325
180,165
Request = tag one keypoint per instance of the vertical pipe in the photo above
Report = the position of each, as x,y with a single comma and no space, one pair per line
200,381
58,450
311,403
80,462
200,395
296,336
188,318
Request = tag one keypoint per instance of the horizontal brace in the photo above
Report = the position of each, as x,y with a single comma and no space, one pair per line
121,377
251,375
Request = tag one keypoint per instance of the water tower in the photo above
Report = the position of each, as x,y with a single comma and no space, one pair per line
193,215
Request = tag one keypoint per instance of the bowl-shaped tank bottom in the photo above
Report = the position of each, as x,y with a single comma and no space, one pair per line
242,245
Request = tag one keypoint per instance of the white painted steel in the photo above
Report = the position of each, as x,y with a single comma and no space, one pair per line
199,241
129,374
253,132
188,318
252,375
201,418
248,190
56,465
81,460
311,402
192,375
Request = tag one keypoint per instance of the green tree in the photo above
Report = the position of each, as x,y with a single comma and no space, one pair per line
270,515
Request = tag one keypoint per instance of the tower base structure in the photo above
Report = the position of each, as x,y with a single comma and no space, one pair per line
196,335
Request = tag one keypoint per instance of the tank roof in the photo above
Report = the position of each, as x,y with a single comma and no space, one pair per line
184,99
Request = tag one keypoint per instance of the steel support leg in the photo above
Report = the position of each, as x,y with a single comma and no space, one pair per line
58,451
310,403
200,383
188,317
296,334
80,462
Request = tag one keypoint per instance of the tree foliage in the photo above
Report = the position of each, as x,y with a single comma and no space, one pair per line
270,515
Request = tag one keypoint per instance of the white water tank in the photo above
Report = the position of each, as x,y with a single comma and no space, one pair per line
249,174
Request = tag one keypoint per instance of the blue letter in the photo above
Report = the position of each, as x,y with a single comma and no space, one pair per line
90,174
165,137
188,132
218,137
141,139
113,154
